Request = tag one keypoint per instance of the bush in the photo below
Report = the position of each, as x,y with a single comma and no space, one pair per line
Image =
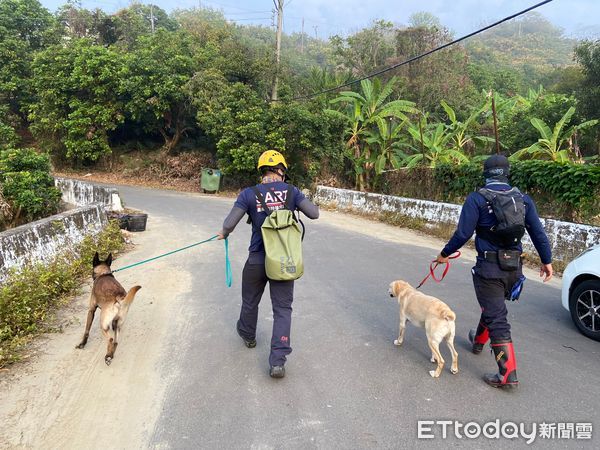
243,126
516,130
29,298
572,189
27,186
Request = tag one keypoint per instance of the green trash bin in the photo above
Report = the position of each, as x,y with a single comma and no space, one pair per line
210,180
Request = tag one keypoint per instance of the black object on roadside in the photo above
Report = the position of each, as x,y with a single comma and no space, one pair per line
137,222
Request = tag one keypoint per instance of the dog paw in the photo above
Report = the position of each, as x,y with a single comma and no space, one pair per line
397,342
454,371
80,346
432,373
432,359
108,360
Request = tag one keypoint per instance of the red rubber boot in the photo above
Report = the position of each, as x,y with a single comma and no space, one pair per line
479,338
507,365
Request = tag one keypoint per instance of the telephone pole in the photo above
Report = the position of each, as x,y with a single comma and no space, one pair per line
279,6
302,38
152,16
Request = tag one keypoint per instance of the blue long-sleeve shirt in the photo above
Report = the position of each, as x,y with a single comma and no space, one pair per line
476,212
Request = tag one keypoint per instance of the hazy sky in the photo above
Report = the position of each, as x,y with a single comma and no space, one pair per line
328,17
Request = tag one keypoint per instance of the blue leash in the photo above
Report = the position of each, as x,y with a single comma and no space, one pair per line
228,272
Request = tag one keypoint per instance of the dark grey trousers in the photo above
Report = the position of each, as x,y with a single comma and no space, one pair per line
254,280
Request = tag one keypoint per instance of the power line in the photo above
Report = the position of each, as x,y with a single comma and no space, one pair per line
229,6
245,13
422,55
248,18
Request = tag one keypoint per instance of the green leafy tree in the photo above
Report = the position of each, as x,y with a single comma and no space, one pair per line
495,77
154,83
243,125
236,118
367,50
441,76
78,22
515,127
432,145
462,136
556,144
365,113
8,136
587,55
385,139
76,103
25,27
137,20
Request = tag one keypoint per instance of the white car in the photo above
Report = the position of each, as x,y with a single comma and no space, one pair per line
581,292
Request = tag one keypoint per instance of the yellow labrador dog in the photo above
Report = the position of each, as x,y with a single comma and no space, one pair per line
430,313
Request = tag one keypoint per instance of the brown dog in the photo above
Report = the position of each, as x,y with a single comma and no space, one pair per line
432,314
111,298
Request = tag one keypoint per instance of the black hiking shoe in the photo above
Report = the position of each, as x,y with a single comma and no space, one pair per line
277,372
250,343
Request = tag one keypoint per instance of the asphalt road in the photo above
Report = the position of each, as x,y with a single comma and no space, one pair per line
347,385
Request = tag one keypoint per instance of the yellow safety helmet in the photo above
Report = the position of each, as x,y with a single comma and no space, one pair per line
271,158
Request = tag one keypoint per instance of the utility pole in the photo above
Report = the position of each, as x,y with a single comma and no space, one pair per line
495,123
302,38
315,27
279,6
152,17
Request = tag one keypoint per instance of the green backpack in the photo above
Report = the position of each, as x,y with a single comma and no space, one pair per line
282,238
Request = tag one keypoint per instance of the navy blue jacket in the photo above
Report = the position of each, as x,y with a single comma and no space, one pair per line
275,195
476,212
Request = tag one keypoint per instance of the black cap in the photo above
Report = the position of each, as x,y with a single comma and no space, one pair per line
496,166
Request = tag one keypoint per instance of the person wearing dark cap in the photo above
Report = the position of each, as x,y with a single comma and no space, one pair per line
499,215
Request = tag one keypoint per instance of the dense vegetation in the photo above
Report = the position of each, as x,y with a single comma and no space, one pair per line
84,86
27,190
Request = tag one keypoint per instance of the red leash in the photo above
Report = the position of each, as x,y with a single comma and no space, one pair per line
433,265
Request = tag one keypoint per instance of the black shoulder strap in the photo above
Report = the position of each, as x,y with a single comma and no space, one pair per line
261,199
485,193
288,196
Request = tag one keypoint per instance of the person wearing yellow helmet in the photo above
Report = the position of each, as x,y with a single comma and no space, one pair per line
276,194
271,159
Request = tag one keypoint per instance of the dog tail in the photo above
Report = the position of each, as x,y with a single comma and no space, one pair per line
131,294
448,315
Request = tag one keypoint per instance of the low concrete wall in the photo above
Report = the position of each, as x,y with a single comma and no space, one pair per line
80,193
42,240
567,239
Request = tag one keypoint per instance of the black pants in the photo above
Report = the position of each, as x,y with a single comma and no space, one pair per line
492,287
254,280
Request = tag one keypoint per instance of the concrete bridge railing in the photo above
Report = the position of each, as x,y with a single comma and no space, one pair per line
44,239
567,239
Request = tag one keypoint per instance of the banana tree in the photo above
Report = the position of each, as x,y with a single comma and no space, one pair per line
432,145
364,113
556,144
460,136
354,132
385,140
